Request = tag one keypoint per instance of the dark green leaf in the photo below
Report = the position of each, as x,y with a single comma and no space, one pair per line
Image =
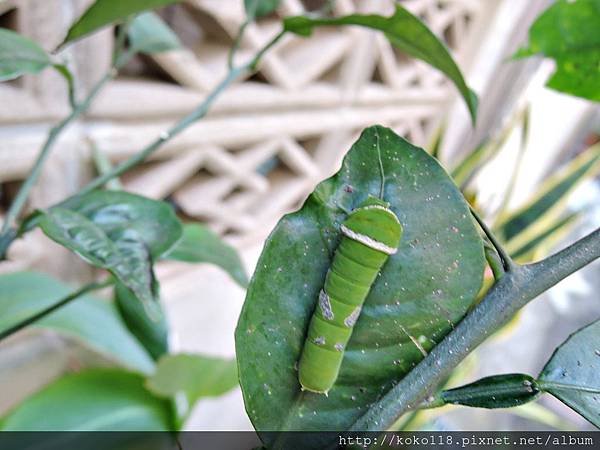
404,31
152,332
498,391
149,34
126,257
201,245
259,8
551,193
20,55
569,33
94,322
422,291
194,376
119,232
117,211
571,375
95,400
106,12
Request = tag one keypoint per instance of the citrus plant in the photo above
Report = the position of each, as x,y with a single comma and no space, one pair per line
422,314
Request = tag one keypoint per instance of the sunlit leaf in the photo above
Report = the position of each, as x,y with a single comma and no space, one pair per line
569,32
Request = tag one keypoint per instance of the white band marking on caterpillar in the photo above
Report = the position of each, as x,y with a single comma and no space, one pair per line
369,242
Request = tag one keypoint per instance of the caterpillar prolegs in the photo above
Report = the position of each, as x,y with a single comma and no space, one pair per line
371,233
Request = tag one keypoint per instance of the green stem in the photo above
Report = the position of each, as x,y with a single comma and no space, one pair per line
103,166
180,126
507,261
55,132
78,293
77,110
517,288
236,44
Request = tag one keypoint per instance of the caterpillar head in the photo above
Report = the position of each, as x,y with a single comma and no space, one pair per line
375,219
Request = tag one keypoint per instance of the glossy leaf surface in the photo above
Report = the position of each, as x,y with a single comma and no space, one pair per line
421,292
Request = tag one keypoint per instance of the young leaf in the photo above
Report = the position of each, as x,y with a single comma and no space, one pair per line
119,232
422,291
571,374
116,212
95,323
552,193
106,12
152,332
20,55
201,245
125,256
404,31
148,33
259,8
194,376
498,391
568,32
94,400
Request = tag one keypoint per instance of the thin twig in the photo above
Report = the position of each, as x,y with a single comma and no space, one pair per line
183,124
78,109
78,293
507,261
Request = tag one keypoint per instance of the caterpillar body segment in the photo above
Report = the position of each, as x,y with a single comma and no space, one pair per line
371,233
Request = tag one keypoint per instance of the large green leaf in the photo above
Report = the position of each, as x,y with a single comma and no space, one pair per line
95,400
119,232
194,377
404,31
152,332
422,291
149,34
201,245
105,12
554,191
95,323
571,375
569,33
20,55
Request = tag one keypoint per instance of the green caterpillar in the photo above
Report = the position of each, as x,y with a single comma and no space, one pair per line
371,233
